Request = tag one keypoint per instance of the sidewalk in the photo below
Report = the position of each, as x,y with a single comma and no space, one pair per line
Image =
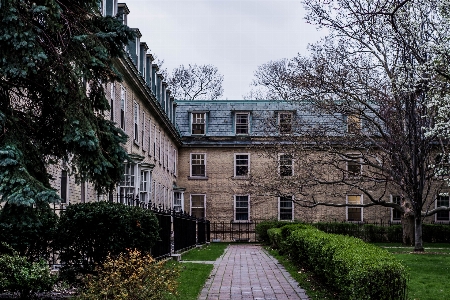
248,272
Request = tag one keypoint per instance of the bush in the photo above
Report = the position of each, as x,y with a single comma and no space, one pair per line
355,269
262,227
17,274
131,276
88,232
436,233
28,230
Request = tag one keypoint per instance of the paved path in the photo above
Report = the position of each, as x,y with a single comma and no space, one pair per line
248,272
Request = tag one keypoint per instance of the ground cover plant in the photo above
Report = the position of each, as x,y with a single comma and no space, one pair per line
430,271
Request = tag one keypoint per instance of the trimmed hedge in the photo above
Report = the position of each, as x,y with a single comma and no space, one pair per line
89,232
262,227
355,269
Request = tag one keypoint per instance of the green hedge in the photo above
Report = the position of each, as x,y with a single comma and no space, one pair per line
355,269
89,232
262,227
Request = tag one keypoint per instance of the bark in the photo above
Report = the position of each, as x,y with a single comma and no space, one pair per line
408,229
418,243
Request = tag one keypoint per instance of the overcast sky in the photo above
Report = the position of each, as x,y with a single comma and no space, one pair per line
236,36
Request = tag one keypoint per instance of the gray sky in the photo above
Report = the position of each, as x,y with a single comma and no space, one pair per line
236,36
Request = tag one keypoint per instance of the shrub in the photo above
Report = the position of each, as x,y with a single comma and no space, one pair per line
262,227
436,233
28,230
131,276
17,274
355,269
88,232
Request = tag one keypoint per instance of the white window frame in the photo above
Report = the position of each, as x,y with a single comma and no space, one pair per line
175,159
280,208
123,107
236,208
136,122
361,208
443,212
196,119
393,211
143,131
236,165
241,125
178,202
127,186
196,207
281,129
280,165
356,160
144,191
113,100
191,164
150,136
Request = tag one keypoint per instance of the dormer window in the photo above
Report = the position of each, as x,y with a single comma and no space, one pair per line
242,123
285,122
353,124
198,124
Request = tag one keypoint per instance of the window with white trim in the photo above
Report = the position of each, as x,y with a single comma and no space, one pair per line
175,159
145,187
136,122
123,105
198,165
395,214
354,214
198,206
241,208
286,165
113,99
198,123
143,131
150,136
241,164
128,184
285,122
285,208
242,123
354,166
178,201
442,200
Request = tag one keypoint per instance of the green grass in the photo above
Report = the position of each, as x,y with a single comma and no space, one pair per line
192,278
209,252
429,271
194,275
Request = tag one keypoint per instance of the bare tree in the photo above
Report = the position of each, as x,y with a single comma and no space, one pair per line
371,88
196,82
272,81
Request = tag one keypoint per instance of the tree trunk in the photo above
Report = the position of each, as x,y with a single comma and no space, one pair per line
418,243
408,229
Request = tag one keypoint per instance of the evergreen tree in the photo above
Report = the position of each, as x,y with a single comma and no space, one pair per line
55,57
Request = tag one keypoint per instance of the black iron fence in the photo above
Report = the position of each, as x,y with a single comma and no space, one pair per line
233,231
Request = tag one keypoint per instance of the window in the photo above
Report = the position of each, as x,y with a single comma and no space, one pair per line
136,122
354,213
198,165
175,159
145,187
286,165
178,201
242,123
285,208
285,122
353,166
143,131
123,99
113,99
241,165
63,186
198,206
353,124
396,215
241,208
442,200
150,136
198,123
127,185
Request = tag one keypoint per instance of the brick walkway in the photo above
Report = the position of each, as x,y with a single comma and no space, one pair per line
248,272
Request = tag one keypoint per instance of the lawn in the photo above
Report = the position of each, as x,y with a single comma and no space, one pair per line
429,271
194,275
